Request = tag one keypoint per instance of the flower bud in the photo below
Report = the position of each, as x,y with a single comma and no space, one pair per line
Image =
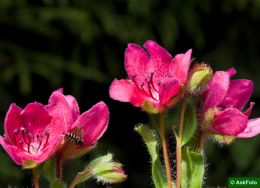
198,78
110,172
103,169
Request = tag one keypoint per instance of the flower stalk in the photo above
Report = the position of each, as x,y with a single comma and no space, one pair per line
35,178
59,167
165,150
179,143
201,140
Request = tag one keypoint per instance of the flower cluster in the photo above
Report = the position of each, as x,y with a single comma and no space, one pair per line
156,83
157,79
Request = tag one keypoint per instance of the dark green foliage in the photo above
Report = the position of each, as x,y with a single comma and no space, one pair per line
79,45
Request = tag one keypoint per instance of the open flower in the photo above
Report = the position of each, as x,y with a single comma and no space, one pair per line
154,76
224,100
82,130
32,134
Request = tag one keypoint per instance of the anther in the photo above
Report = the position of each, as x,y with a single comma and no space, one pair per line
16,131
46,132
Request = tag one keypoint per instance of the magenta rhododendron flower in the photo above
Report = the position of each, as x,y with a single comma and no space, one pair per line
224,100
154,76
32,134
83,130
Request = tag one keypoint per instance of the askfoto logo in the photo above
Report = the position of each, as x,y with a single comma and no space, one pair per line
244,182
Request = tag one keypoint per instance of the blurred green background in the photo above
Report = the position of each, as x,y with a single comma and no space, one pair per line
79,45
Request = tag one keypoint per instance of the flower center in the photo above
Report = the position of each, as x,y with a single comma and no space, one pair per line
148,87
29,142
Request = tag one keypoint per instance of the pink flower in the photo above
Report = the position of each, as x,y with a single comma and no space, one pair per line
224,100
82,130
31,134
154,76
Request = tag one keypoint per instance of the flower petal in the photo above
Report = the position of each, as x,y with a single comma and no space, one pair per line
136,63
93,123
74,107
35,117
12,121
229,122
249,110
61,111
160,61
168,90
216,90
238,93
181,65
126,91
252,129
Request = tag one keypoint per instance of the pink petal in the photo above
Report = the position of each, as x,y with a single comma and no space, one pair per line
181,66
238,93
126,91
168,90
136,63
93,123
252,129
229,122
160,61
231,72
74,107
13,121
216,90
249,110
61,113
35,117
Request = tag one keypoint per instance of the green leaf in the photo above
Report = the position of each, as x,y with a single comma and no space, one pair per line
190,123
158,172
192,169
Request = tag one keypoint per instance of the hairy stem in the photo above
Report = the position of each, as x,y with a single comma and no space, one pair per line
59,167
178,144
35,177
165,150
202,137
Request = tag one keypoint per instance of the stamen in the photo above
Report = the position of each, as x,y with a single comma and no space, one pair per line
39,140
16,132
30,136
151,82
24,131
46,132
21,145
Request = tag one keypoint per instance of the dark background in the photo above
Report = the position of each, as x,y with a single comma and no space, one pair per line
79,45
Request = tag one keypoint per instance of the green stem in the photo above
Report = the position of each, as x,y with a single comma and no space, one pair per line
179,142
73,184
35,177
59,167
165,150
202,137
